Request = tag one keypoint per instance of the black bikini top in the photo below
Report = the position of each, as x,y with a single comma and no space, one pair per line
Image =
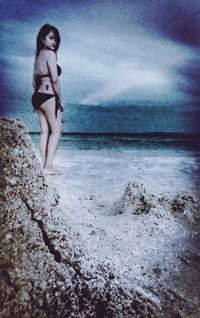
48,75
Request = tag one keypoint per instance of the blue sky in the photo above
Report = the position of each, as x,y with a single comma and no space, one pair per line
112,52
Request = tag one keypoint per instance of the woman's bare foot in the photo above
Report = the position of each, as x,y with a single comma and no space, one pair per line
52,171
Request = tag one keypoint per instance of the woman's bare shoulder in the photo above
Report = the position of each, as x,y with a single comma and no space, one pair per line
49,55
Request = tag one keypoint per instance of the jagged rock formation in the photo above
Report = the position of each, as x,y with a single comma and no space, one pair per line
137,200
42,273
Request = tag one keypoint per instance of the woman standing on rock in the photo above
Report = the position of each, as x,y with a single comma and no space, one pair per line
47,99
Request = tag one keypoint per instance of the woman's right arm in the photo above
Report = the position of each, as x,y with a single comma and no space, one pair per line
52,65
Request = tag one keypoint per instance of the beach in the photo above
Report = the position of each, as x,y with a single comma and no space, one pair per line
116,235
115,232
146,250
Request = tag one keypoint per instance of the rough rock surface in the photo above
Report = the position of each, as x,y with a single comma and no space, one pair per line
136,200
42,273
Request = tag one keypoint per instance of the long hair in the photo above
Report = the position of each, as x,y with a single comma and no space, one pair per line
45,29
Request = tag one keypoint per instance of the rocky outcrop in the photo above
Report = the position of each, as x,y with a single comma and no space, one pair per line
134,200
137,200
42,273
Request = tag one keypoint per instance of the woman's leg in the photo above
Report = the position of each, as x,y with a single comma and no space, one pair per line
55,131
43,136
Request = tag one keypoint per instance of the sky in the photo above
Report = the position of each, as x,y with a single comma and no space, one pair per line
112,52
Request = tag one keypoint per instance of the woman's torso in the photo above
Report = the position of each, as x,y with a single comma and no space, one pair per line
44,84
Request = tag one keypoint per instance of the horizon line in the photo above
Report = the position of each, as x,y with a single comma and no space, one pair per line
181,135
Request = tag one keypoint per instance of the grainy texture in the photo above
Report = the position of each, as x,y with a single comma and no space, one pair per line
42,273
136,200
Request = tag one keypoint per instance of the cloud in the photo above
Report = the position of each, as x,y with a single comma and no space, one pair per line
139,61
109,50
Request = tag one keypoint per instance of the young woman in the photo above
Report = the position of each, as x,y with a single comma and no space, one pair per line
47,99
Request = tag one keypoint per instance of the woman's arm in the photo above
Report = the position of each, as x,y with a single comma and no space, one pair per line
52,65
34,80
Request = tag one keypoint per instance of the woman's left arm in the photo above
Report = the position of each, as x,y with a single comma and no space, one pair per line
34,82
34,79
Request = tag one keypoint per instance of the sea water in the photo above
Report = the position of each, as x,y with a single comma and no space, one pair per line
134,118
124,142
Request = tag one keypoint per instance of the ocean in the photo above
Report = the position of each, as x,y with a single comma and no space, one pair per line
124,142
122,127
138,118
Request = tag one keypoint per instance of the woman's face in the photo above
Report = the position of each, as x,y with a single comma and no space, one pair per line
49,41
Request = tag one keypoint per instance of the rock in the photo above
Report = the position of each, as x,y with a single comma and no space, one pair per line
134,200
43,273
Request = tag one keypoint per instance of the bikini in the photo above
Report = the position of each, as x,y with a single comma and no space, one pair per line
39,98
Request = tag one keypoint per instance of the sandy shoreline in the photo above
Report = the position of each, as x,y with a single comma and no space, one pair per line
146,250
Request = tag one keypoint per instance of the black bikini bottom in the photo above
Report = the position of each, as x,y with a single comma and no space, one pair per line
39,98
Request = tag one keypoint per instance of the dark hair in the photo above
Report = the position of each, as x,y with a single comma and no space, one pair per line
45,29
